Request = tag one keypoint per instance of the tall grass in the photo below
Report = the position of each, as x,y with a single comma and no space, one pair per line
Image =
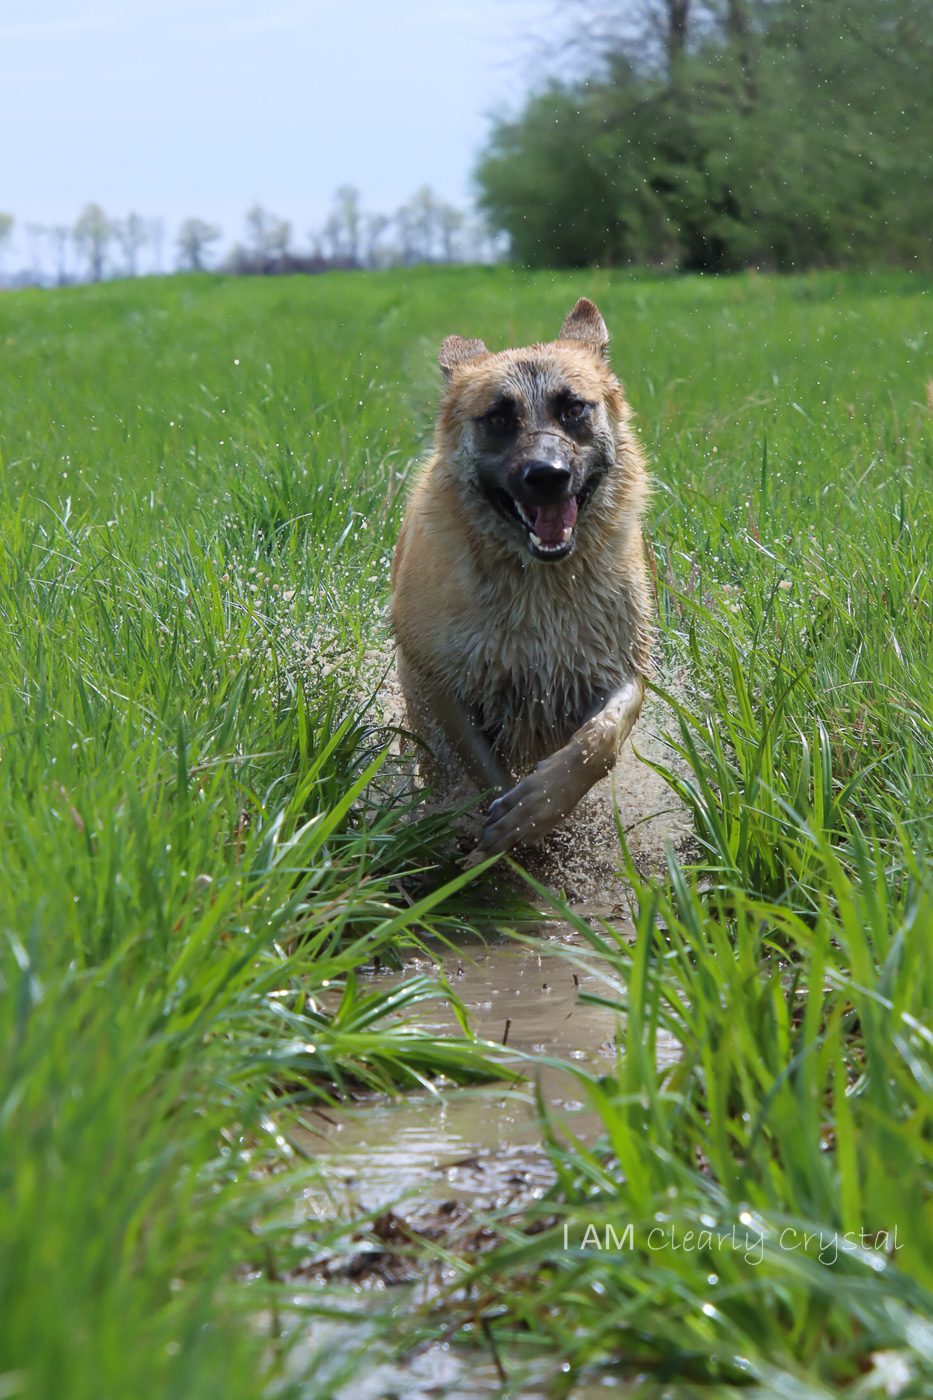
197,848
776,1178
201,483
757,1213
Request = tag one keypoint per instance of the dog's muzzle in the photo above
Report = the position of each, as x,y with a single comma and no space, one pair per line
543,500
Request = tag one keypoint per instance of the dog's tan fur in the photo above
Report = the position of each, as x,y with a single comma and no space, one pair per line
526,667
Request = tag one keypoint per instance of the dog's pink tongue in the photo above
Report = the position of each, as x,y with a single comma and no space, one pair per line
550,522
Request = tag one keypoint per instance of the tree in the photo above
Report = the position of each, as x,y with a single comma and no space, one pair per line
6,233
727,133
344,227
278,239
375,228
268,237
349,221
418,226
155,234
450,222
194,238
657,33
332,237
677,16
132,234
566,190
93,233
60,235
36,234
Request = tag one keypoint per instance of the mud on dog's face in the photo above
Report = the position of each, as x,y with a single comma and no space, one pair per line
533,432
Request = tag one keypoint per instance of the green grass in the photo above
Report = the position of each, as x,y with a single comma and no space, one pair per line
201,484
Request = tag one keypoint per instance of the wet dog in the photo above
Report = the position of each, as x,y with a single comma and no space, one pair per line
520,601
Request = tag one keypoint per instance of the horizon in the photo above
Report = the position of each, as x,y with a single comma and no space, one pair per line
174,112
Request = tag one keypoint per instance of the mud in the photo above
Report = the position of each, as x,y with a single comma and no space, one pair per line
483,1144
432,1169
580,860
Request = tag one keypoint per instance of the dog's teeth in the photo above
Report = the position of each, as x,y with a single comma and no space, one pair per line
535,541
568,531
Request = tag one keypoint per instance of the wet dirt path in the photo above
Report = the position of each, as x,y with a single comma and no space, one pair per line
465,1150
437,1159
478,1144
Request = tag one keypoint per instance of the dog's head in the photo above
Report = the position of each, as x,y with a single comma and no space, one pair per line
533,434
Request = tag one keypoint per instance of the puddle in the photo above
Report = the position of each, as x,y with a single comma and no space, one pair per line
429,1165
480,1145
426,1167
444,1371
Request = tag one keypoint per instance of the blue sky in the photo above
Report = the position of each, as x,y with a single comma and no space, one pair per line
204,107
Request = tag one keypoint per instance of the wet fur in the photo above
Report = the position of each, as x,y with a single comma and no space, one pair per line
530,649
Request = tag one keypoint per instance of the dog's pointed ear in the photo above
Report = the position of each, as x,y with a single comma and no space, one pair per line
456,351
585,324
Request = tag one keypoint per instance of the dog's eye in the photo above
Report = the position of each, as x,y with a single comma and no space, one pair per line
572,412
498,420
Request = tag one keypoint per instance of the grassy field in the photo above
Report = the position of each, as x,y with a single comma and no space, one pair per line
201,483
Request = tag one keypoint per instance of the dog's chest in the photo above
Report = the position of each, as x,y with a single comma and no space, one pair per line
536,661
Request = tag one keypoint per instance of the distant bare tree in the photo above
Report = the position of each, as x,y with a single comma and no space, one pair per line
35,233
677,15
658,30
424,229
257,221
194,238
132,234
375,227
343,232
350,215
417,222
450,221
92,235
60,236
407,237
332,237
483,244
738,27
268,236
278,238
6,233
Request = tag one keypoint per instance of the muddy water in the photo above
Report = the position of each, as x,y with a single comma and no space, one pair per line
469,1149
481,1148
481,1145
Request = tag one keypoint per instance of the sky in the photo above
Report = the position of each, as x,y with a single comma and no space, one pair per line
175,108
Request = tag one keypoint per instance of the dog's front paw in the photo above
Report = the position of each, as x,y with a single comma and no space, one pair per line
527,812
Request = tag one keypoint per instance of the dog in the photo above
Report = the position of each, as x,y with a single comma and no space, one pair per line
520,601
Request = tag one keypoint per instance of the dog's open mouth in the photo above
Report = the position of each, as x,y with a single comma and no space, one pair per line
549,529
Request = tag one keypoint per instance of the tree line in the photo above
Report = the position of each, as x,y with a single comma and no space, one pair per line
425,229
719,134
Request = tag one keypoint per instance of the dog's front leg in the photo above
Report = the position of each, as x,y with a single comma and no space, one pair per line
464,736
539,801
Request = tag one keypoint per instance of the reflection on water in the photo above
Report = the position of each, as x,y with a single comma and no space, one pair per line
481,1144
463,1151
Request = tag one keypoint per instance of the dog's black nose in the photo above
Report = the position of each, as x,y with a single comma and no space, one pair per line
546,480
